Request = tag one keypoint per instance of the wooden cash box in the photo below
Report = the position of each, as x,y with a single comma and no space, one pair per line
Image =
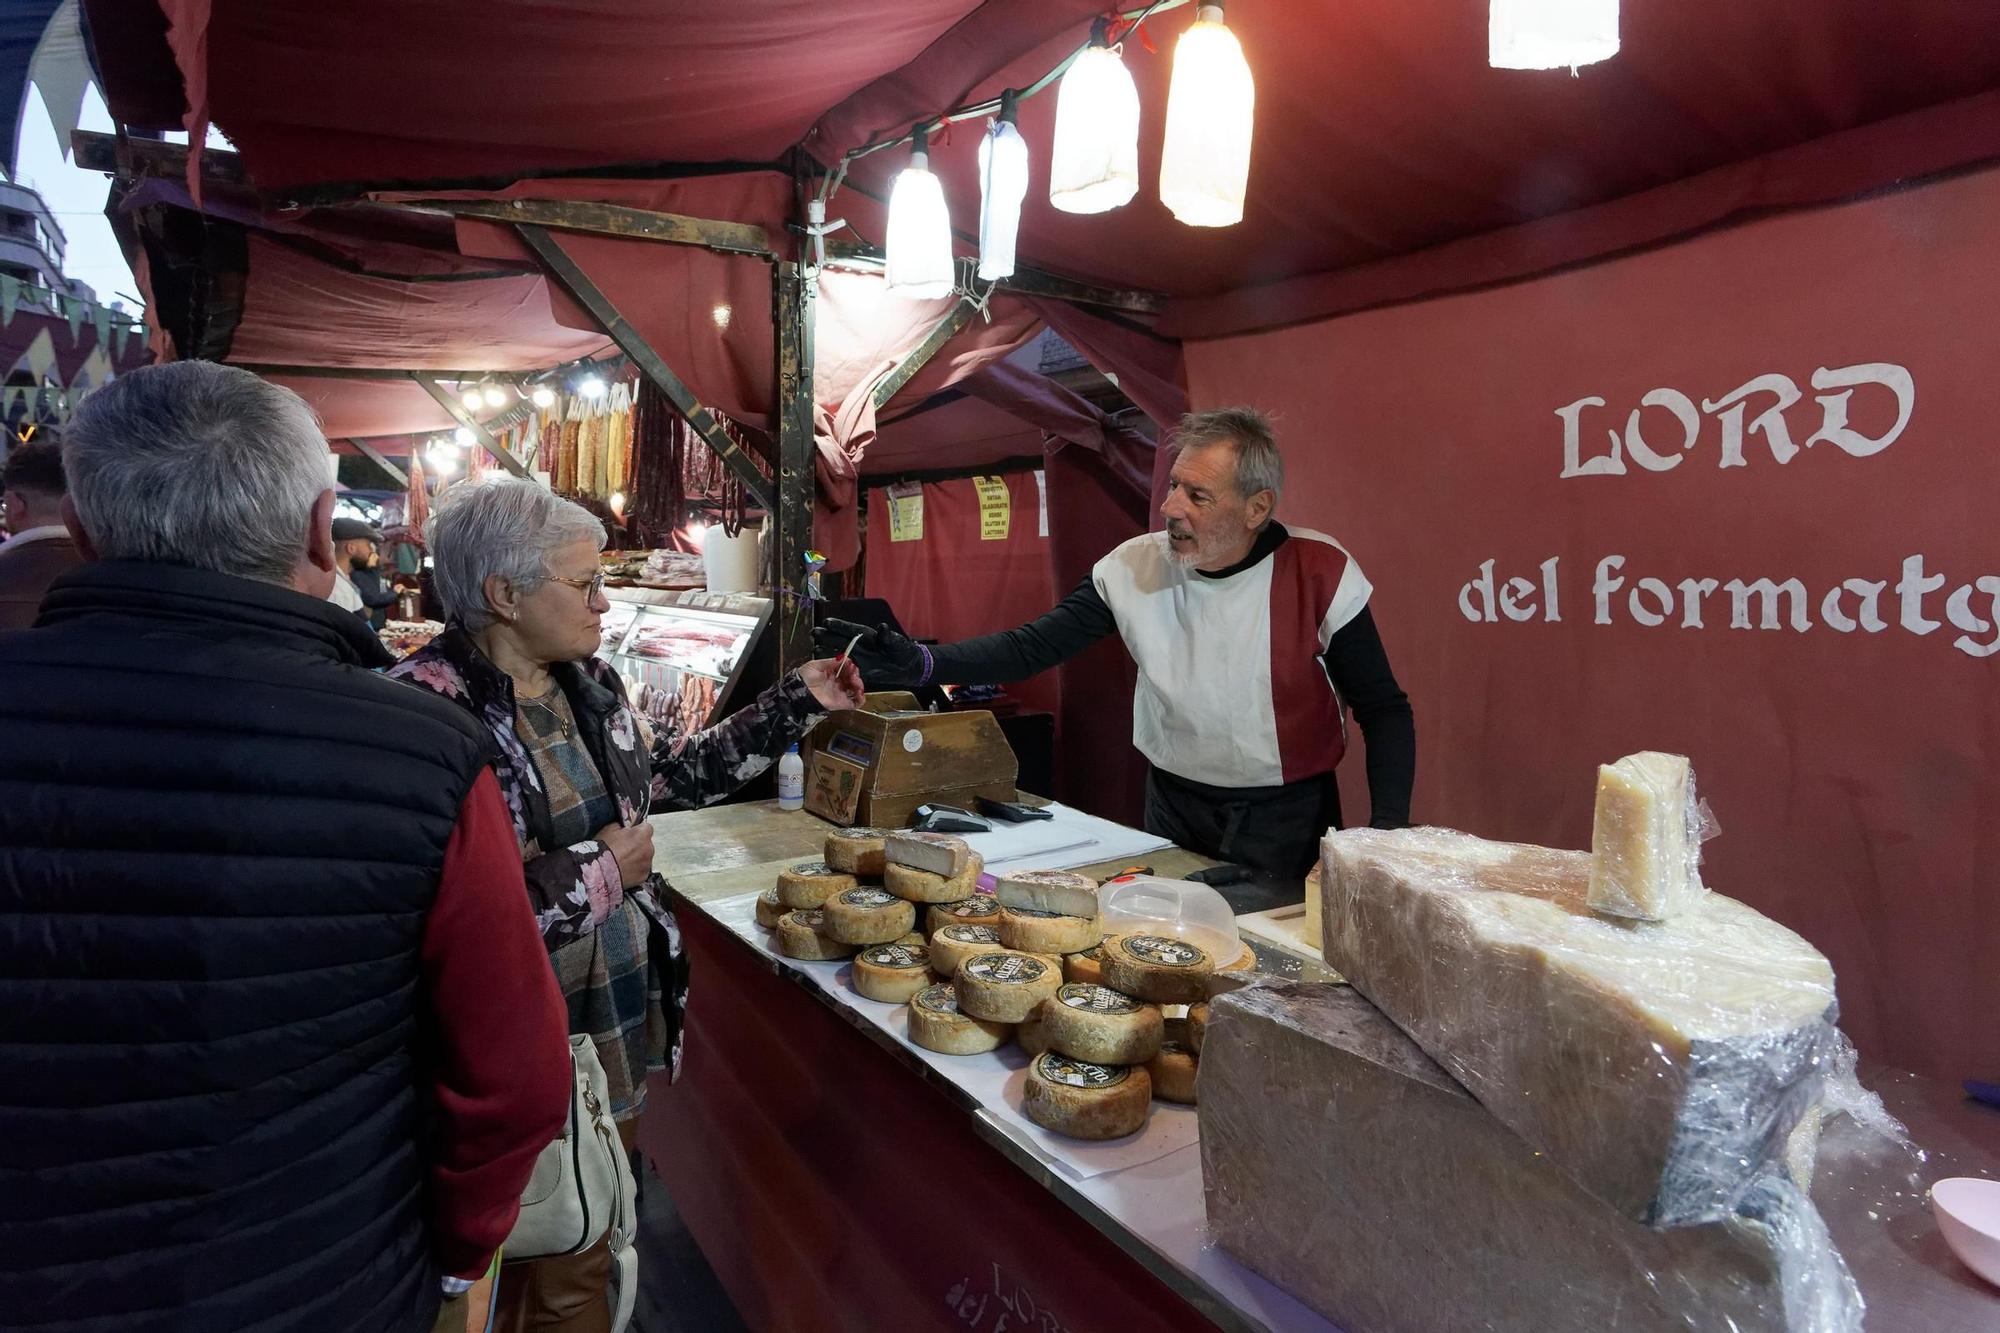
876,764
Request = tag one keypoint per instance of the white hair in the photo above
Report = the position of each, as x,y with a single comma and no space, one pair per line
194,463
508,526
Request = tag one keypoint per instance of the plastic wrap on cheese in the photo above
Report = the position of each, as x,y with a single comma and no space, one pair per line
1344,1165
1645,838
1661,1065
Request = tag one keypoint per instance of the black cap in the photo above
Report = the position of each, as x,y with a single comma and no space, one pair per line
347,529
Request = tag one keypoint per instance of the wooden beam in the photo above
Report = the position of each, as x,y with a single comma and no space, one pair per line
792,293
370,372
464,418
374,455
152,157
1030,282
906,370
608,220
572,279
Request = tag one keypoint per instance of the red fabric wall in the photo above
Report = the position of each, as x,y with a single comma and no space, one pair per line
1856,775
952,585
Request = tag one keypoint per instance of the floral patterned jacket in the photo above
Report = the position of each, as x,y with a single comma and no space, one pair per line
574,888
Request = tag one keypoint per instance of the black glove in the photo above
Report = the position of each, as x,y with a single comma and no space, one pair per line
888,659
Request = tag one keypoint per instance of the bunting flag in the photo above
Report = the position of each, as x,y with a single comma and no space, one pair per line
40,358
11,399
10,296
121,333
100,319
75,312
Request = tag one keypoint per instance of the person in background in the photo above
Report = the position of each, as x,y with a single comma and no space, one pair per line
31,489
357,546
1252,641
282,1047
517,570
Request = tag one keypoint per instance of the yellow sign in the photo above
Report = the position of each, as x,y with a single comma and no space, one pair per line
906,512
995,508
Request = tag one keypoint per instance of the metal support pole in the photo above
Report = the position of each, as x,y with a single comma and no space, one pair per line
792,291
467,420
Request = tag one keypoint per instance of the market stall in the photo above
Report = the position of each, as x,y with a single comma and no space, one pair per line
840,1176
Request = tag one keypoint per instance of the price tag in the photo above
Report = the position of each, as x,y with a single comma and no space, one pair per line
906,512
995,508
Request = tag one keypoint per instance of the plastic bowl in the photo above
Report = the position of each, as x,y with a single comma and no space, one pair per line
1182,908
1968,1213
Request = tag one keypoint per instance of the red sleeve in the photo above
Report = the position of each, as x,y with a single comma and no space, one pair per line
500,1032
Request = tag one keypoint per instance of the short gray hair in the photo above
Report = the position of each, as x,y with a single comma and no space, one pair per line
1259,465
508,526
194,463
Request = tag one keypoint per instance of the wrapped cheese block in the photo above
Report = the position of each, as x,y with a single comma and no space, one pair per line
1645,838
1342,1164
1662,1065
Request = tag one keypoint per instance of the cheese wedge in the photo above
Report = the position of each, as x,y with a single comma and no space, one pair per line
1645,839
939,853
1661,1065
1057,892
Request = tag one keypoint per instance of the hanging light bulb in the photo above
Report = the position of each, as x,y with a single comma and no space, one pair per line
590,386
463,437
1003,184
471,397
919,261
496,396
1205,163
1094,165
443,465
1550,34
543,396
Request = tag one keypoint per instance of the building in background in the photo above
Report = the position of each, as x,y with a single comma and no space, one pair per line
32,246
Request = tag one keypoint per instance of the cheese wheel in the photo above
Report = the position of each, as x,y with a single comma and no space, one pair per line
978,910
1101,1026
1002,986
1243,962
954,944
1032,1035
1031,931
868,916
810,883
1085,1100
1084,968
858,851
798,936
936,1024
1159,968
939,853
770,908
1197,1027
892,973
924,886
1173,1074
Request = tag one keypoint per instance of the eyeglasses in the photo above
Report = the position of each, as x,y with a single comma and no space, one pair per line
592,588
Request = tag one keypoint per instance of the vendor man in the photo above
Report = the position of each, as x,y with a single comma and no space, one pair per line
358,583
1249,638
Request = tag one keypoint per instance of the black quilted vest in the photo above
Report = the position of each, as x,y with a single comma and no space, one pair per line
220,833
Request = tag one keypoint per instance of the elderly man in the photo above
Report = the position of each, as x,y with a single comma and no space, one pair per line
282,1042
40,548
1251,638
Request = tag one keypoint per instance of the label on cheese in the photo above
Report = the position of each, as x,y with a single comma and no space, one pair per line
1006,968
1079,1073
1163,950
939,999
815,868
979,905
896,955
868,898
1097,999
971,934
812,920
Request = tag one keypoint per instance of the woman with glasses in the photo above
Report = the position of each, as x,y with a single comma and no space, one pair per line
517,571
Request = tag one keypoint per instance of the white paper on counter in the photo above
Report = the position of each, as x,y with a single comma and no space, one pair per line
993,1079
1072,838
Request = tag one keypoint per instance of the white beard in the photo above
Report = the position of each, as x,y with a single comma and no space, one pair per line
1185,559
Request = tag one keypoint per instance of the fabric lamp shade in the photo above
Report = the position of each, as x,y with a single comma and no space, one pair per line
1551,34
1205,162
1003,184
919,261
1094,164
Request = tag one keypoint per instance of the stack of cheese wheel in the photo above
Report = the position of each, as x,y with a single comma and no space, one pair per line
1094,1052
929,868
1167,971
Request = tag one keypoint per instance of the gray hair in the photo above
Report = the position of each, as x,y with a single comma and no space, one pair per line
1259,465
508,526
194,463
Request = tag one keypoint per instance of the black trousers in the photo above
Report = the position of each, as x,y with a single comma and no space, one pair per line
1270,828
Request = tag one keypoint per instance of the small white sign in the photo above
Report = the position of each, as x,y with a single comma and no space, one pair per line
913,740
